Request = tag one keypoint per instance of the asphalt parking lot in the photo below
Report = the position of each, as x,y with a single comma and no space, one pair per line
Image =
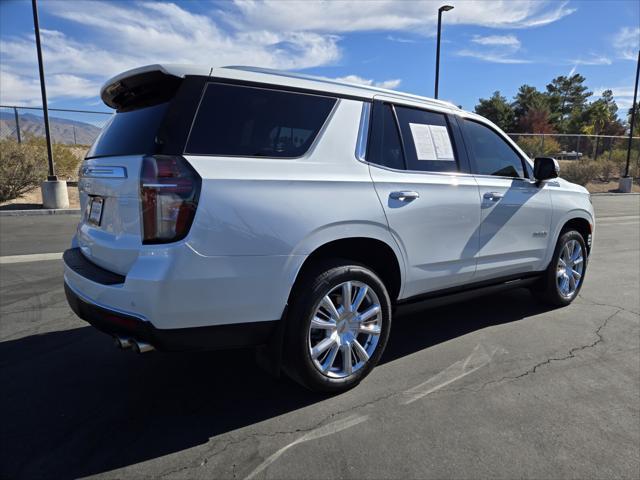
498,387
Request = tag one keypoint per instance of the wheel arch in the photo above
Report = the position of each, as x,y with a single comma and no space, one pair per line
579,219
582,226
372,252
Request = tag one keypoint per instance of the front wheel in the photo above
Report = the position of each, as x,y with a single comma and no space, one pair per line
337,326
564,276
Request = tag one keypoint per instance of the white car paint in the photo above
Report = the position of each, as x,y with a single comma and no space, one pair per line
258,219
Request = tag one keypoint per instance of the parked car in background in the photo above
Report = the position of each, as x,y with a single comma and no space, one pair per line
235,206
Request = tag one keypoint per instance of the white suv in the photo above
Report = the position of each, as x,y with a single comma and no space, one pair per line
235,206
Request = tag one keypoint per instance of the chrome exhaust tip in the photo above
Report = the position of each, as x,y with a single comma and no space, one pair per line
142,347
122,342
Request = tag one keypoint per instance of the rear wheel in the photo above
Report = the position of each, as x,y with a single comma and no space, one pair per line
337,326
564,276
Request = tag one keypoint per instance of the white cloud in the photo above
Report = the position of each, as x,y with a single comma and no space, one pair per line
129,35
491,57
501,40
593,59
392,38
627,42
392,15
389,84
22,90
494,49
271,33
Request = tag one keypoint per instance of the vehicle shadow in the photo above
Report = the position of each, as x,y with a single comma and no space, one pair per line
73,406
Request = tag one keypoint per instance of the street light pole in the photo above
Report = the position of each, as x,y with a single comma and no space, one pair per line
634,108
43,89
444,8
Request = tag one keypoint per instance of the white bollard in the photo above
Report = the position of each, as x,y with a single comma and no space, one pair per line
625,185
55,194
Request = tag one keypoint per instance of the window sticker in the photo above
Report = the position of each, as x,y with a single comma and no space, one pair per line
442,142
425,149
432,142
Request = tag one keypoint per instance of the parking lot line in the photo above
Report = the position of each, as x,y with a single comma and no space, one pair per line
35,257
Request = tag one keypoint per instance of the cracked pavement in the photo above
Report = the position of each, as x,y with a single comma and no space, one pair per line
559,396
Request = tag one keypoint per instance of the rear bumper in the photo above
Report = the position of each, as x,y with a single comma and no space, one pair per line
174,287
179,339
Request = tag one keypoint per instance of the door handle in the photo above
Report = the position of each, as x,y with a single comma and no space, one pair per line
493,196
404,196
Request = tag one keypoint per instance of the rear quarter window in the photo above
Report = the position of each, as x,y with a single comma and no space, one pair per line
130,133
245,121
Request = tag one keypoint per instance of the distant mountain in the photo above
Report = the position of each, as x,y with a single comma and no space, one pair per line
63,130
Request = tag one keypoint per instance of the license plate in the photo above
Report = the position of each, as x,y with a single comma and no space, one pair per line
95,210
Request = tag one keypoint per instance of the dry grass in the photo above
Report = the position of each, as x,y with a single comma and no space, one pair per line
33,199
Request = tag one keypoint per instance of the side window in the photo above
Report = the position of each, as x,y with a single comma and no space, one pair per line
427,140
492,155
256,122
384,146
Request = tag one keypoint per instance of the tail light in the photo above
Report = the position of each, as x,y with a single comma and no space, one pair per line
169,189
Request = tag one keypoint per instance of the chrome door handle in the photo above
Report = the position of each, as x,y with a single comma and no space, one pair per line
493,196
404,196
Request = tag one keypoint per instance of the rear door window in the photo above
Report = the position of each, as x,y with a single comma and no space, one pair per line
427,140
235,120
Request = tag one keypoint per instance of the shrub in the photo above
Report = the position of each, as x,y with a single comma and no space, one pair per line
21,169
534,147
66,158
608,170
580,172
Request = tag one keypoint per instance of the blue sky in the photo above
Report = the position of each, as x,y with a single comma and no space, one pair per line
487,45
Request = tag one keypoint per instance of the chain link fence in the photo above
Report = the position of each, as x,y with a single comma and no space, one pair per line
68,127
585,159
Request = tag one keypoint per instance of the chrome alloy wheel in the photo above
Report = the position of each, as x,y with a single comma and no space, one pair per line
344,329
570,268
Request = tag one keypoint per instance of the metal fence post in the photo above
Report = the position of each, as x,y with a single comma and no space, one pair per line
610,147
15,112
578,148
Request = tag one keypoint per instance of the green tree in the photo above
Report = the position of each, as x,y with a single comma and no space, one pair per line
599,116
528,97
498,110
567,101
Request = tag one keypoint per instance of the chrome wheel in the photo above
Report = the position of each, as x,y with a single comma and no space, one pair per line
570,268
344,329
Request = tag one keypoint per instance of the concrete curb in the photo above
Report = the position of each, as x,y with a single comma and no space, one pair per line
42,211
612,194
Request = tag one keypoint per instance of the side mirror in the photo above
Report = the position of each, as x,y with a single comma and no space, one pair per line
545,168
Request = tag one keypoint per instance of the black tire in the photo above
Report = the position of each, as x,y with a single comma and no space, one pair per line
309,290
547,290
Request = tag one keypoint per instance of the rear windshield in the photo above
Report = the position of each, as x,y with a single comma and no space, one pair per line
252,122
130,133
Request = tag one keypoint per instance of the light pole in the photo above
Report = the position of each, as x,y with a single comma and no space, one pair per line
626,182
54,191
633,115
444,8
43,90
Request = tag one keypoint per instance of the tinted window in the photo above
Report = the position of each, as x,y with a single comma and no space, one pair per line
247,121
427,140
493,156
130,133
384,147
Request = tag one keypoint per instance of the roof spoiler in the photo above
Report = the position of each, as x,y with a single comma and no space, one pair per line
144,86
